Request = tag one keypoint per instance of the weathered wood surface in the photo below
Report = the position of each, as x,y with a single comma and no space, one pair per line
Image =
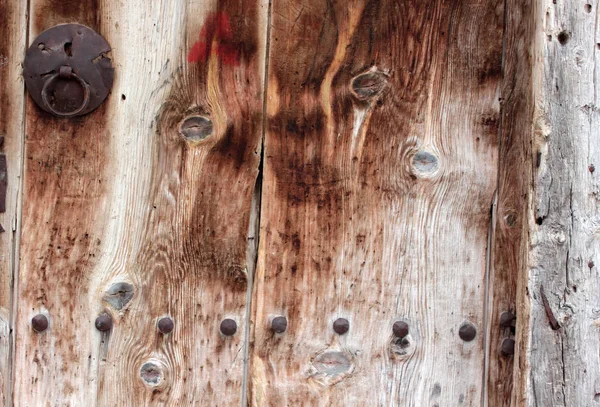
124,215
380,170
510,229
13,31
563,287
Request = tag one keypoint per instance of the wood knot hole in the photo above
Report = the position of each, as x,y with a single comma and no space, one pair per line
196,128
151,373
424,163
119,294
333,363
368,85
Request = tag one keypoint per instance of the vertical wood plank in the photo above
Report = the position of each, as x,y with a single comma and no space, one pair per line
380,170
135,212
564,220
13,32
508,274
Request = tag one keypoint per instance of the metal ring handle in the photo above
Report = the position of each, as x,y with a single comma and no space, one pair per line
66,75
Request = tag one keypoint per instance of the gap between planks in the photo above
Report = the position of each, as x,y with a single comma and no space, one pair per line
255,213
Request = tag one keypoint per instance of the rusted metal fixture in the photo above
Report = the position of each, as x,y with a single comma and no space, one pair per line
67,71
39,323
507,348
165,325
341,326
467,332
228,327
104,322
279,324
400,329
508,320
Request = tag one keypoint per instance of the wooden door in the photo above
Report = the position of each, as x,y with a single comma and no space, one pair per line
335,203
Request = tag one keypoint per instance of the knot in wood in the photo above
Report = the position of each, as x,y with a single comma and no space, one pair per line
119,294
196,128
424,163
368,85
151,373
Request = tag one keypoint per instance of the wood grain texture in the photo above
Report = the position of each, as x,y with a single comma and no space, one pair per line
13,32
135,212
508,274
379,174
564,220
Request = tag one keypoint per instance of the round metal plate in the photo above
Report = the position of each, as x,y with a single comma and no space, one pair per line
82,50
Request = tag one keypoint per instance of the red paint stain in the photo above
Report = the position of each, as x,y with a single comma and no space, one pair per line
216,32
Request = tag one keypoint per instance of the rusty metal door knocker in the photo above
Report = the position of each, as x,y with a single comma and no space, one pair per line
67,71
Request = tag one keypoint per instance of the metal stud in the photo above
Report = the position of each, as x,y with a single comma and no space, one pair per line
39,323
165,325
467,332
507,348
341,326
104,322
507,319
400,329
228,327
279,324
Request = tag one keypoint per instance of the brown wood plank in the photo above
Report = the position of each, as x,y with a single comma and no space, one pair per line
563,293
379,175
124,215
13,32
508,275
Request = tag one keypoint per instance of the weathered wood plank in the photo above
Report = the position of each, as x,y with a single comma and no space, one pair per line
509,254
562,356
380,170
13,32
125,215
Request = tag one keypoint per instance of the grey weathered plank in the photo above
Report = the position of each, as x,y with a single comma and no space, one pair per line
564,222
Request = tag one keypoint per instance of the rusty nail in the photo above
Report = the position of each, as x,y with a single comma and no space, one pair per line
400,329
228,327
165,325
467,332
279,324
104,322
507,348
39,323
341,326
507,319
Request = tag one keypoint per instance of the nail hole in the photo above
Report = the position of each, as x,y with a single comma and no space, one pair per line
592,168
123,97
540,220
563,37
68,49
588,8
